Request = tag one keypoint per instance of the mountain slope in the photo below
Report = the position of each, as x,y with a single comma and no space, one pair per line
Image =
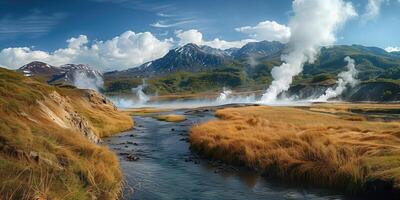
48,141
259,50
190,58
68,74
39,68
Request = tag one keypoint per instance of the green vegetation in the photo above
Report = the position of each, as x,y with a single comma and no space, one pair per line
181,82
374,65
39,159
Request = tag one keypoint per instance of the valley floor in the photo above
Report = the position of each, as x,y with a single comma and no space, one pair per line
352,147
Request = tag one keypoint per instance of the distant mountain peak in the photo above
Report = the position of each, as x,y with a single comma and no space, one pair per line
189,57
37,67
64,74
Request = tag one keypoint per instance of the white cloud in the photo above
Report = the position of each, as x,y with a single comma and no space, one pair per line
222,44
392,49
127,50
196,37
189,36
372,10
267,30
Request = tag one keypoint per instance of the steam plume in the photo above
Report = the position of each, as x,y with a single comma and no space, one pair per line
84,80
346,78
313,26
223,96
142,97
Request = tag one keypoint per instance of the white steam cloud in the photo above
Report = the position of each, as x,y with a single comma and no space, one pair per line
372,10
346,79
93,81
313,26
392,49
223,96
142,98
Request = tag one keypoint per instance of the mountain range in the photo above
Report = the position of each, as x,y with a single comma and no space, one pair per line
65,74
194,58
192,68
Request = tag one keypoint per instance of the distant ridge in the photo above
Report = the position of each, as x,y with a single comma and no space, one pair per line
64,74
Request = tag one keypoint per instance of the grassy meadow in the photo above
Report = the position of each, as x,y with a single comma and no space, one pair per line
351,147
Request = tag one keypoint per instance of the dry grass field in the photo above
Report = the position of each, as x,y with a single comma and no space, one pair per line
171,118
326,145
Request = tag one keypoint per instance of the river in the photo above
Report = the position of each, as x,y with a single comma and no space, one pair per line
167,169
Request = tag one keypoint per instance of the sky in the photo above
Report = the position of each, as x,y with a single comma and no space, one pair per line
119,34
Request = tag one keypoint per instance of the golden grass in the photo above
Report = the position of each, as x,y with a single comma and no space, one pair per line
298,144
68,166
171,118
105,119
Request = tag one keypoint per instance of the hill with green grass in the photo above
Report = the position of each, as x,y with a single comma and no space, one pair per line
249,68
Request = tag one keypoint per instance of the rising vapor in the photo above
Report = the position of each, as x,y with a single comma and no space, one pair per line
223,96
141,96
312,26
346,79
86,80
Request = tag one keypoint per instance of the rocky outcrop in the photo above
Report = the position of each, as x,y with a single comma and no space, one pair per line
58,109
98,99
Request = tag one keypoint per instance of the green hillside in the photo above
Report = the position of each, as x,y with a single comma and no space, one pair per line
373,64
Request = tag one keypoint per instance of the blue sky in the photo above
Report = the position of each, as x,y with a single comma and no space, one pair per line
46,25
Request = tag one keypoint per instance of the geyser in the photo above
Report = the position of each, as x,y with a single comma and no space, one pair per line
312,26
88,80
223,96
141,96
346,79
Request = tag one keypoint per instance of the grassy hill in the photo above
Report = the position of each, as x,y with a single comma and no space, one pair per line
47,141
248,73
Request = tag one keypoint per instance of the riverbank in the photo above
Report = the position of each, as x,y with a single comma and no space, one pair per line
326,145
157,163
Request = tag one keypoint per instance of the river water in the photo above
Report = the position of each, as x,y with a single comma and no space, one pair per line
167,169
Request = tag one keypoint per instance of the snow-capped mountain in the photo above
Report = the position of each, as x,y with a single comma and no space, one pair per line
39,68
64,74
194,58
189,57
258,50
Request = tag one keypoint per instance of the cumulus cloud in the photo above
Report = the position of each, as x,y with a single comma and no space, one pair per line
372,10
392,49
196,37
189,36
267,30
127,50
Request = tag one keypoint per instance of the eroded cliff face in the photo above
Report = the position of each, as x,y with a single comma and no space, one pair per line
70,113
59,110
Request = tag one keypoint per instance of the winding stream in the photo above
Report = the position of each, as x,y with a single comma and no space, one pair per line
166,168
